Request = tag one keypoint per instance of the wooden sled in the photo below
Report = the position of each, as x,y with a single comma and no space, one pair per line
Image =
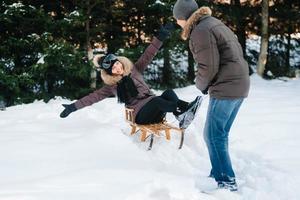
152,129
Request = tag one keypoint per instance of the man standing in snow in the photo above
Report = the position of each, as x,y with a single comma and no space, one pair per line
223,73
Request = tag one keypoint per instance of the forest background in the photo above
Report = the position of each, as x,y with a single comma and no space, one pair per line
46,47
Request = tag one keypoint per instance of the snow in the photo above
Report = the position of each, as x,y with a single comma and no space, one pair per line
74,13
72,16
159,2
68,20
34,36
41,60
90,155
16,5
8,63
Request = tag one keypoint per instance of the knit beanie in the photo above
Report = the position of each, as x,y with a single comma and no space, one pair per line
183,9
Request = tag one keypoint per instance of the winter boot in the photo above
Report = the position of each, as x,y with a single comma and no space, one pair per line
182,106
231,185
186,118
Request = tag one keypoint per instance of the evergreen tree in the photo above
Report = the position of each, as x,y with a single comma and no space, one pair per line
285,22
61,71
19,49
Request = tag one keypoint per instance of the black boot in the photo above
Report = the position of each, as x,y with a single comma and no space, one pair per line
182,106
186,118
230,185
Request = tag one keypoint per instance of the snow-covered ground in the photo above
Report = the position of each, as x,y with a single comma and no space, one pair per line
90,155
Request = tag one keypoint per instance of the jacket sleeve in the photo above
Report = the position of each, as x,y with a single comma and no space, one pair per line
148,55
96,96
205,51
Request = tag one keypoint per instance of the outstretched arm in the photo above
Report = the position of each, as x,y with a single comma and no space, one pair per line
88,100
96,96
148,55
153,48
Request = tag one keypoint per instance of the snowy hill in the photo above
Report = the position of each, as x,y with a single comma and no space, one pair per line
90,156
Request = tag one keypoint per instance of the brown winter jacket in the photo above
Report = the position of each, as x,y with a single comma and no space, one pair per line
136,70
221,66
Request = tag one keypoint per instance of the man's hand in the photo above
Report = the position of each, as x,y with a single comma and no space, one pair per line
69,108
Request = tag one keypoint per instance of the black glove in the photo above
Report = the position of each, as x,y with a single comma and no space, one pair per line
69,108
165,31
205,91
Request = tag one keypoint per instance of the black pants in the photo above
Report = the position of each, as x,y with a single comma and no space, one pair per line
155,110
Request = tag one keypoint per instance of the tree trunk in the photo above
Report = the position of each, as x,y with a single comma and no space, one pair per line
167,67
240,24
289,24
2,105
139,30
262,60
288,54
88,44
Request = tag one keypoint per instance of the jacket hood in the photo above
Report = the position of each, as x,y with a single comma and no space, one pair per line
193,19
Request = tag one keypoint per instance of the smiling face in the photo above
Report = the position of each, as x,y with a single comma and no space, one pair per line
117,68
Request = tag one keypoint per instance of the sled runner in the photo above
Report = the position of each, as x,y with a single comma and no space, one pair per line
151,130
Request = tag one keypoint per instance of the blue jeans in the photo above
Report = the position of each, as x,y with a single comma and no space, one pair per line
220,116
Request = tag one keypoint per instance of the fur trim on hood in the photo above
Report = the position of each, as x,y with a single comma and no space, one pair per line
193,19
112,80
96,59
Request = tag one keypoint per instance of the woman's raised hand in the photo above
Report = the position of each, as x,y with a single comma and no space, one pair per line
165,31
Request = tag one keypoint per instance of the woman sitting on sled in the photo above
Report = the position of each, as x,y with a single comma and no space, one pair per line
125,79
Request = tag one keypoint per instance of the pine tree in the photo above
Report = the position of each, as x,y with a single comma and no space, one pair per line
19,46
285,22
